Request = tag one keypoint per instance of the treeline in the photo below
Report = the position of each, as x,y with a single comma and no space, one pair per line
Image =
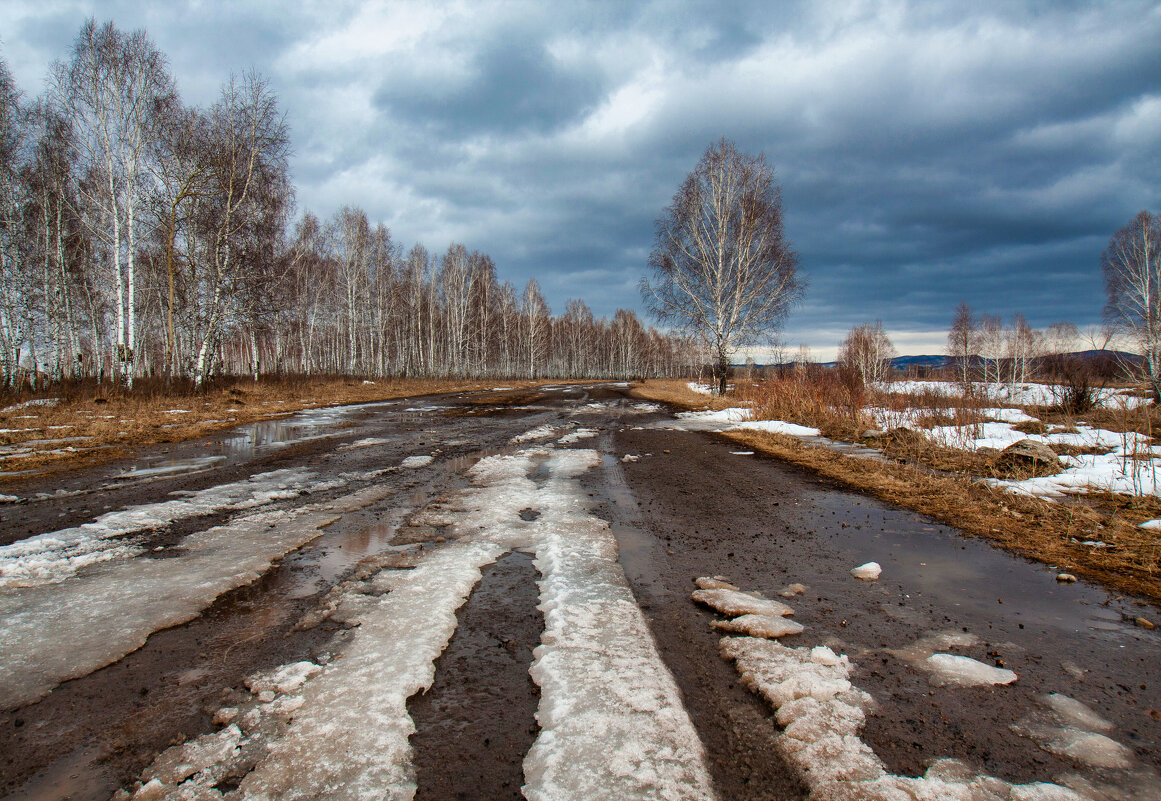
140,236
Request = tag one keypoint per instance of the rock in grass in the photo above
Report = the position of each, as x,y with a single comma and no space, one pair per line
734,603
1030,451
868,572
714,583
769,626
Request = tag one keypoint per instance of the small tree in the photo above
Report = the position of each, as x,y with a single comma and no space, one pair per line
867,351
722,265
1132,268
961,341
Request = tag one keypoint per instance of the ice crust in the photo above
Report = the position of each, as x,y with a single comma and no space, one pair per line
734,602
412,462
115,606
612,721
773,626
611,717
963,671
822,715
57,555
341,749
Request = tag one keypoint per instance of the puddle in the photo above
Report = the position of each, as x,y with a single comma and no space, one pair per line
936,562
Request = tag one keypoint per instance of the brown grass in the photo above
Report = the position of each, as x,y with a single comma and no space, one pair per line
116,421
1052,533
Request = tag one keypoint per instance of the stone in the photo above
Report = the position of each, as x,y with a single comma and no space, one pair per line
868,572
1030,450
1066,578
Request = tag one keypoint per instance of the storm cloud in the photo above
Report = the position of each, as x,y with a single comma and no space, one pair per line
928,153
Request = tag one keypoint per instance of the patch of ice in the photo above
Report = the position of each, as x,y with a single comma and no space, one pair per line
1075,713
734,602
771,626
367,442
412,462
577,436
114,607
822,714
57,555
540,432
713,583
963,671
741,453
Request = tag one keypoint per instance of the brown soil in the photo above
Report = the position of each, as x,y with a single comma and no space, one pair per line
478,718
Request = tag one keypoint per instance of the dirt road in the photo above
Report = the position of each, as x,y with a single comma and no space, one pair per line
488,596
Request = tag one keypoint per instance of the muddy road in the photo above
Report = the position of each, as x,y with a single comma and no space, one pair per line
488,595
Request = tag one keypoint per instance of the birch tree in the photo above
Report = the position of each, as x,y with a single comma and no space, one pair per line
1132,270
722,265
112,86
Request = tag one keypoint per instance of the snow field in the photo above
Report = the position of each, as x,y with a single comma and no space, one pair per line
55,556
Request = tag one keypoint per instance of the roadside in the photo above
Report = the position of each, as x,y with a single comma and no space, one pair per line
1057,533
92,424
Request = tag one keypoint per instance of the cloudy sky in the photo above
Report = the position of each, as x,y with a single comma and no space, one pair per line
929,152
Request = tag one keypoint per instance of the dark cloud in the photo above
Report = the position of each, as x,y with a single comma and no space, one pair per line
929,153
512,86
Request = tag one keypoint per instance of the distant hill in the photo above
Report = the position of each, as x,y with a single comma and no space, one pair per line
903,362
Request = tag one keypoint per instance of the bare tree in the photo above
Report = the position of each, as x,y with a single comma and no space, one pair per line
722,265
961,340
868,351
1132,269
112,87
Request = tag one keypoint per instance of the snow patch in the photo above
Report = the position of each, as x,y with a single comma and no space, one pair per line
540,432
734,602
412,462
58,555
867,572
963,671
577,436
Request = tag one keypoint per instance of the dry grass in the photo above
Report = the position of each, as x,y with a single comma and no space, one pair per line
1049,532
113,422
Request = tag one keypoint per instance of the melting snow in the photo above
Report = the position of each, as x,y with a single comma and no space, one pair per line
577,436
868,572
963,671
772,626
779,427
734,602
57,555
417,461
540,432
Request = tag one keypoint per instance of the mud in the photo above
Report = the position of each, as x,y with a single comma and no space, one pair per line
688,507
766,525
94,733
477,720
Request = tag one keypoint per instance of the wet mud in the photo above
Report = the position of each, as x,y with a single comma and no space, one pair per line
703,511
477,720
92,735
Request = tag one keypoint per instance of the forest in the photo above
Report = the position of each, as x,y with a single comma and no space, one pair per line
140,236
